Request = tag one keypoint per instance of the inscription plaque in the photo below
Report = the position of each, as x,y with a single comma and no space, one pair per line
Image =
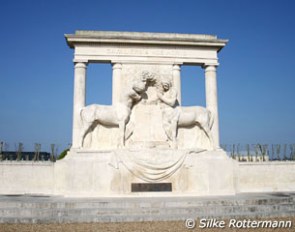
151,187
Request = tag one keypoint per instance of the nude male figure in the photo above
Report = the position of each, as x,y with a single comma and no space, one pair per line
170,110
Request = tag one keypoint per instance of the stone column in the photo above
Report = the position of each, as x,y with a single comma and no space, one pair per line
117,68
177,81
211,99
79,100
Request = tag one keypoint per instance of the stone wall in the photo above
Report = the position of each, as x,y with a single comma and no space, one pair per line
26,177
47,178
273,176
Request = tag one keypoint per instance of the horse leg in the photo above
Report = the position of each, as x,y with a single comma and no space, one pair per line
85,129
208,133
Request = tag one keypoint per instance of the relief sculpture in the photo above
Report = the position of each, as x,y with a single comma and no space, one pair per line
174,116
113,115
149,89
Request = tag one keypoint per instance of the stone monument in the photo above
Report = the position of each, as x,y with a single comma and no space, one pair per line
146,142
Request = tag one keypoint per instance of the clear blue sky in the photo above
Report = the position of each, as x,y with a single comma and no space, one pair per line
256,77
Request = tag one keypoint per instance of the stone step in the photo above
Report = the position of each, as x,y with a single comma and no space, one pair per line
112,206
131,218
197,212
31,209
133,210
31,202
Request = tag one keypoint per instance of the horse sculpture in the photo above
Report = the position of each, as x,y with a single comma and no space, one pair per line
197,115
112,115
174,116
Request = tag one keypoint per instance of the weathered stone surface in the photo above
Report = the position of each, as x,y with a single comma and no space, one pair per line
111,173
145,136
200,175
54,209
131,54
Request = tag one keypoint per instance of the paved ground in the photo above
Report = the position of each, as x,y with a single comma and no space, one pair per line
132,226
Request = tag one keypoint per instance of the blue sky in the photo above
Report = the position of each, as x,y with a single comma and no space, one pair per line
256,76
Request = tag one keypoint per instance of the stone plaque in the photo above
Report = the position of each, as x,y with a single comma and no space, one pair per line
151,187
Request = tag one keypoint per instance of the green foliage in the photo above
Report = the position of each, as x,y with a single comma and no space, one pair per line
63,154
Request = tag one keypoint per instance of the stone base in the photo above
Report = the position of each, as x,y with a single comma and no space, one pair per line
56,209
111,173
103,173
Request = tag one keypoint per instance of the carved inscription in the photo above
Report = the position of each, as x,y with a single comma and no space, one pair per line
151,187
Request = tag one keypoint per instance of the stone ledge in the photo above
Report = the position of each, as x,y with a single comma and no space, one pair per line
145,38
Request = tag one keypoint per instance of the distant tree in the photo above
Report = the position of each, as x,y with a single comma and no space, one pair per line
19,151
53,152
1,147
278,151
1,150
37,152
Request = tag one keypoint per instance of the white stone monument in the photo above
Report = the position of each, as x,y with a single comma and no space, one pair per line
145,142
133,53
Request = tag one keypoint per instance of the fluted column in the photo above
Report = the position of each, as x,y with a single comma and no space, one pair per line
79,100
117,68
177,81
211,99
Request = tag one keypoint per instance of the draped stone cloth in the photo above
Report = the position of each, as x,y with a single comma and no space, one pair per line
150,165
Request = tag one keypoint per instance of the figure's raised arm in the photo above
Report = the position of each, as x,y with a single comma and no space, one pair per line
169,100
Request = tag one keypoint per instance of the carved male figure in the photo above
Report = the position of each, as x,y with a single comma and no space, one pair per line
174,116
170,110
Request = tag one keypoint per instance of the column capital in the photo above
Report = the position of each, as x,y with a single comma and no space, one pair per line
80,64
117,66
209,68
176,67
